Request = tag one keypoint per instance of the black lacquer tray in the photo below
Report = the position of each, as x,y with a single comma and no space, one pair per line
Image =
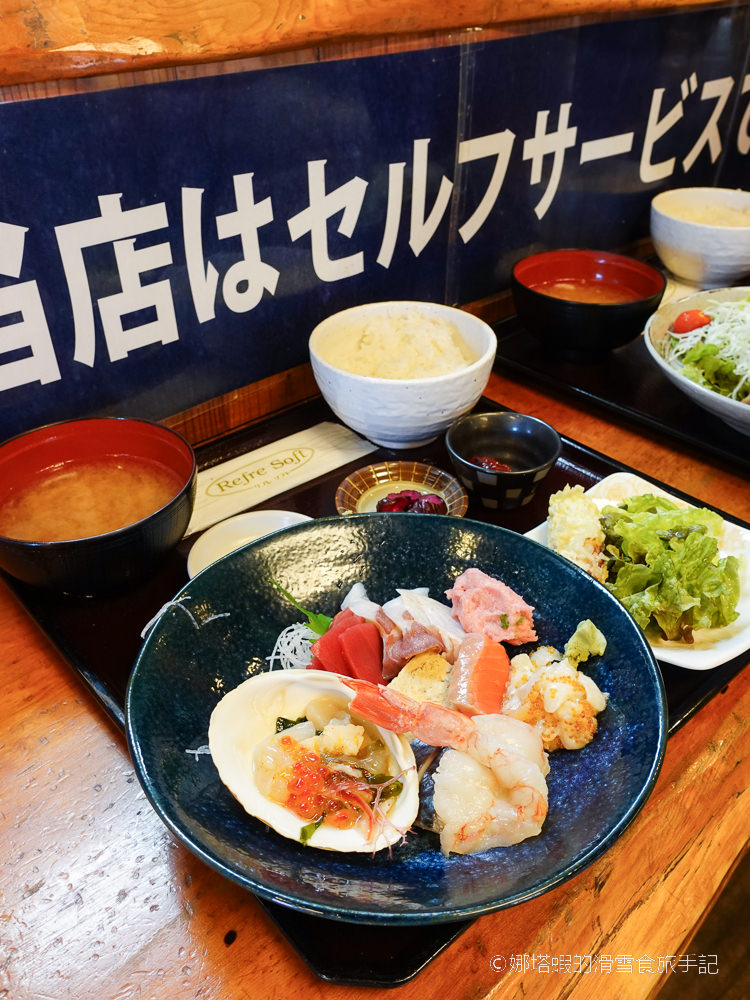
625,382
100,638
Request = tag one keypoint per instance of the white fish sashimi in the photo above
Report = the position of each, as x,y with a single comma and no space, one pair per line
360,604
396,608
411,605
420,607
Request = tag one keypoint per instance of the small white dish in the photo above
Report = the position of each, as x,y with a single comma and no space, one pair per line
234,532
712,647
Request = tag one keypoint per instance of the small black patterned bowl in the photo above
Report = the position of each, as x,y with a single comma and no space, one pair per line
529,446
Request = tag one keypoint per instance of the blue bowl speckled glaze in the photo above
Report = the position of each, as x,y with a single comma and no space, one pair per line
191,657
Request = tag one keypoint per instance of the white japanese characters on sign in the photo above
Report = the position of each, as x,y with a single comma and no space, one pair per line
142,312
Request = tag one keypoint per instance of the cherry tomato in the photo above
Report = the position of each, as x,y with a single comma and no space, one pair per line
690,320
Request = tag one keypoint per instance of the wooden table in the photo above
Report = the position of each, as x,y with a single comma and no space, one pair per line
97,899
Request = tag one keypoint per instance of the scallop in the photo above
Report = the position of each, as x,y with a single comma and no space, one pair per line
244,721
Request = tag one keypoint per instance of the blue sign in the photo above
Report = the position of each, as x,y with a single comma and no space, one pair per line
162,244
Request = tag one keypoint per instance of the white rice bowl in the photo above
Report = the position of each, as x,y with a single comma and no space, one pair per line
702,234
400,373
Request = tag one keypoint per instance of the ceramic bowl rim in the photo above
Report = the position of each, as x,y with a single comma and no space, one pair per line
642,267
469,371
700,227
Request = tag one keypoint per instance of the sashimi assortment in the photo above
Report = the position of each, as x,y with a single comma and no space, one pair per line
432,676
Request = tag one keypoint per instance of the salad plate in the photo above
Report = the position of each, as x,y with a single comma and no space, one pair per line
723,306
711,647
221,628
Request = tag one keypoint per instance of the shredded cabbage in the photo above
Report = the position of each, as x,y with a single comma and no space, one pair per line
717,356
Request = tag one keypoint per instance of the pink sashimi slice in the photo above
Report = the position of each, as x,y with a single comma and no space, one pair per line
483,604
400,645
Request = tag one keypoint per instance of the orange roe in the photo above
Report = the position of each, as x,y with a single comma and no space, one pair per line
314,790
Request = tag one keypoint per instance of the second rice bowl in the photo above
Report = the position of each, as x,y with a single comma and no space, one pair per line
414,408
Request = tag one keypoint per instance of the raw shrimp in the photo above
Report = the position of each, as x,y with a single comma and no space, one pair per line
482,808
490,788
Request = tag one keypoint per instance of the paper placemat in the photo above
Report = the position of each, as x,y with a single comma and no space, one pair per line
251,478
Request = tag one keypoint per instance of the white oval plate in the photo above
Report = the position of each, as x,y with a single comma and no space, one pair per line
711,647
234,532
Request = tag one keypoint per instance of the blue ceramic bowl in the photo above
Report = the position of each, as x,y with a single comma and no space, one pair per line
191,658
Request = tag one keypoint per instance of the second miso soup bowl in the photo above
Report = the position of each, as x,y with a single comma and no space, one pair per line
592,325
116,559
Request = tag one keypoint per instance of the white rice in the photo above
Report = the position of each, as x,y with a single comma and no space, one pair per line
711,215
402,346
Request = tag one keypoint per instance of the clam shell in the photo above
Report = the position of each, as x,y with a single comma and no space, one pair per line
247,715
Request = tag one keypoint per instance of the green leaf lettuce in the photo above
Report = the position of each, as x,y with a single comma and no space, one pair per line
665,567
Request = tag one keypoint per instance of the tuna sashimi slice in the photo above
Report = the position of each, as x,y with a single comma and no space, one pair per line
327,653
479,676
483,604
362,649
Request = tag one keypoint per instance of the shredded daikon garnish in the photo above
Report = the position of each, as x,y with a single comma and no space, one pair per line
199,751
292,648
717,356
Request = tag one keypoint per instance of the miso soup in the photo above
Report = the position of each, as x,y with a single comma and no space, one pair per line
588,291
85,498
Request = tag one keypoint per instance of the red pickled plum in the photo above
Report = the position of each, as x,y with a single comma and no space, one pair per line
412,501
430,503
489,463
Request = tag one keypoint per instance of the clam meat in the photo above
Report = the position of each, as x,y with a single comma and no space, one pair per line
287,747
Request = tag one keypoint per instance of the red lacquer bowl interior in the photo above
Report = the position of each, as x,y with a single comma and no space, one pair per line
30,455
589,268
